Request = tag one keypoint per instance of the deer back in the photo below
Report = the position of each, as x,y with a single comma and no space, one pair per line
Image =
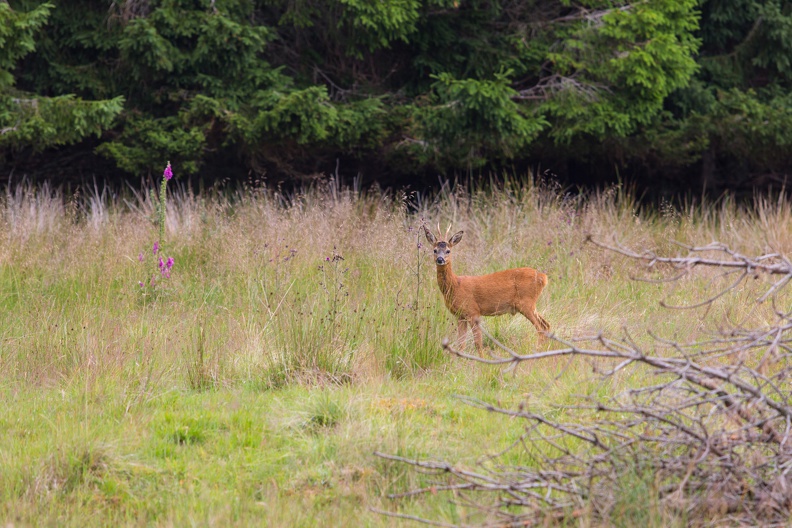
509,291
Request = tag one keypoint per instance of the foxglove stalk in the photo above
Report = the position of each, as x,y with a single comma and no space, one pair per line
166,175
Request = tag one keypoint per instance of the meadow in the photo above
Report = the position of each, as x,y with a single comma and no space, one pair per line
297,334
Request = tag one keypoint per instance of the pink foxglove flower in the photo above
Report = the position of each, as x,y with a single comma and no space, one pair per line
169,263
168,174
156,247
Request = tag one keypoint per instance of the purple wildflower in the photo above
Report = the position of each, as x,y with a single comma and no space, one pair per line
161,264
141,284
169,263
168,174
156,247
140,257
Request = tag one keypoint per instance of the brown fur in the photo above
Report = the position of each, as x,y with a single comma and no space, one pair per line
469,297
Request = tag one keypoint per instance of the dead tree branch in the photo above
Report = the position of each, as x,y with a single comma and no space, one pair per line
706,424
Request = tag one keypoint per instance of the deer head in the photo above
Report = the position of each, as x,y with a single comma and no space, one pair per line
442,247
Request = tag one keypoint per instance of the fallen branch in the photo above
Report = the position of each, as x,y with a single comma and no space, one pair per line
711,433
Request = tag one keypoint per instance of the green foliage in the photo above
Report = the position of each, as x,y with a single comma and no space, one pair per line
375,25
754,126
17,37
275,80
744,39
178,53
618,71
28,119
773,46
303,116
182,49
473,121
441,84
277,121
607,71
737,109
356,27
146,141
42,122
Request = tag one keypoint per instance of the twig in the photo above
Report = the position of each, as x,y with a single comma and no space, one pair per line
412,518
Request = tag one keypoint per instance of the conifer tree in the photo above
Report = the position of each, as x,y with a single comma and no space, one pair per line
33,120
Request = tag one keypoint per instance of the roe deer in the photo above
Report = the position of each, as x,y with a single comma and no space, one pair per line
469,297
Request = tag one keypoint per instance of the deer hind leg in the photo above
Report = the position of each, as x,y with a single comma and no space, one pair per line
539,322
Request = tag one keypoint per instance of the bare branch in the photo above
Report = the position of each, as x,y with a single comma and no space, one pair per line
737,260
712,429
412,518
549,86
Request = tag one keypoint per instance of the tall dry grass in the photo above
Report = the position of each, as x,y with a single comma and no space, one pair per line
321,300
326,283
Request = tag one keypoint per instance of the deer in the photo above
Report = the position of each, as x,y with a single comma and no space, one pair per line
469,297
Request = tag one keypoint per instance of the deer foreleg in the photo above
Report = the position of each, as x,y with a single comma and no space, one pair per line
476,324
462,328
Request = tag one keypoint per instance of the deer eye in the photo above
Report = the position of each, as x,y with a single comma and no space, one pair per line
448,251
435,251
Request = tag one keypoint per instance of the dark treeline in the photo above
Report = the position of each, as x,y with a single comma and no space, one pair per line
673,96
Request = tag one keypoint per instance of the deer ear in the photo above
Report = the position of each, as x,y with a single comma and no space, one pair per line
429,236
456,238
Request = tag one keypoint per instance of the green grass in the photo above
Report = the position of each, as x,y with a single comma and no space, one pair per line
255,384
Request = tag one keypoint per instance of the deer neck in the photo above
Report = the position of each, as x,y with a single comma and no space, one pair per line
446,279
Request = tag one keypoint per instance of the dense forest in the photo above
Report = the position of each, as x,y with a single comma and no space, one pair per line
672,95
